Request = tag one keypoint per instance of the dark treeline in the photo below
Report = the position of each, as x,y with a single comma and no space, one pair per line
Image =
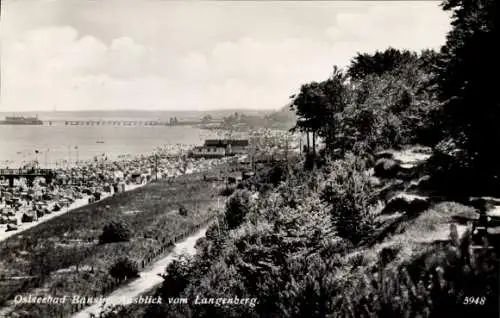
299,247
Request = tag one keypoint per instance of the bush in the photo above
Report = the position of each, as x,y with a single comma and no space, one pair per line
452,173
276,175
176,278
434,283
347,192
123,269
116,231
183,211
236,209
227,191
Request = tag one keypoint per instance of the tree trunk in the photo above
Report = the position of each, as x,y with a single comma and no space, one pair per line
331,143
307,136
314,143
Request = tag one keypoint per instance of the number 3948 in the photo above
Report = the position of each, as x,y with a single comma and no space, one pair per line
474,300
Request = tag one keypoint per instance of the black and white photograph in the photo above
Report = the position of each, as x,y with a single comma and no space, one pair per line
246,159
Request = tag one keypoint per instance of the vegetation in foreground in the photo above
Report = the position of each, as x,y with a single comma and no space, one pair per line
320,244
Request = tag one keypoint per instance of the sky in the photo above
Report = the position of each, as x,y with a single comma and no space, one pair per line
70,55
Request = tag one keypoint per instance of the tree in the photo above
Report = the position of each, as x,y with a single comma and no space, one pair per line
309,106
429,60
123,269
337,99
236,209
206,119
379,63
317,104
177,277
347,192
467,68
115,231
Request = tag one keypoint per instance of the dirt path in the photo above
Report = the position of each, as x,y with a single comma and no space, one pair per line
148,280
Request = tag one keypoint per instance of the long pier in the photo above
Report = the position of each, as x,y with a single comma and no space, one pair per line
30,174
26,172
125,123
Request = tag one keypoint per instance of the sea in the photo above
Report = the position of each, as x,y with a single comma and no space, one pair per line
60,145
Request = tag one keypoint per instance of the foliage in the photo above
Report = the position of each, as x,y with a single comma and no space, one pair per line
317,104
384,101
390,110
183,211
227,191
468,64
276,175
118,311
389,60
115,231
236,209
206,119
347,193
434,284
177,278
123,269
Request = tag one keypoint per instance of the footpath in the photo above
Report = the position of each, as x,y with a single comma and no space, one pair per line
149,278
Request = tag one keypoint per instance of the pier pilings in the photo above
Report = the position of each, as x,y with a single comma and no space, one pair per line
127,123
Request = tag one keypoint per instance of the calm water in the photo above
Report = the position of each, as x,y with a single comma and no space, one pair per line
55,144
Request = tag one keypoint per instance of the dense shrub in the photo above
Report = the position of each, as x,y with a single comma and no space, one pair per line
123,269
348,192
276,175
433,284
176,279
183,211
116,231
236,209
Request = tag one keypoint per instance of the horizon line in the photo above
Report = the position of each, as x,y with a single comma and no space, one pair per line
144,110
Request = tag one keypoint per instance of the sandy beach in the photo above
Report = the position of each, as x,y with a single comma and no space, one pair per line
75,205
24,206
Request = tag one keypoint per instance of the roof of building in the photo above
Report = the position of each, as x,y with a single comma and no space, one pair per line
205,148
226,142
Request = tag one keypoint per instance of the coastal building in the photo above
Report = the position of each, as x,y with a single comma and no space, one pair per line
232,146
217,148
208,152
